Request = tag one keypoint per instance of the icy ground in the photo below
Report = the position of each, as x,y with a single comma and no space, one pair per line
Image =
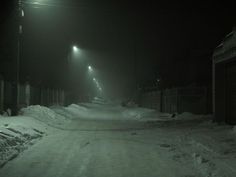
94,140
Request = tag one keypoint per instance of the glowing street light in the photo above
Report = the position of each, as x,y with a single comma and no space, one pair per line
75,48
97,85
22,13
90,69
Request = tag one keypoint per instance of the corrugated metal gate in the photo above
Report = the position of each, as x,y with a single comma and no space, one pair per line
231,93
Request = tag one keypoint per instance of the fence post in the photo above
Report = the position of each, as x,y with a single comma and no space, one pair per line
27,94
49,100
63,97
55,97
52,97
60,97
57,102
177,100
1,93
42,96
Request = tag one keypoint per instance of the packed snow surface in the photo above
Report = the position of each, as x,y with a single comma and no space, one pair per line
16,134
93,139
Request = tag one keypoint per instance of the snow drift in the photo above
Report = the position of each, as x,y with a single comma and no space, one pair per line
16,135
43,114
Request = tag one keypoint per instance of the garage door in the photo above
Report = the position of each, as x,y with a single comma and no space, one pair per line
231,93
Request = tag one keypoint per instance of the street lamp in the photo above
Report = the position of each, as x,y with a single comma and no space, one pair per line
74,53
90,69
75,48
22,13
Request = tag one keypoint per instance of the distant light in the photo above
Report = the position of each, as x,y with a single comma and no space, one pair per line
20,29
36,3
22,13
94,79
75,49
90,68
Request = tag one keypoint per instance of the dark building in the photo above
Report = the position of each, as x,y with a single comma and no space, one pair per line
224,80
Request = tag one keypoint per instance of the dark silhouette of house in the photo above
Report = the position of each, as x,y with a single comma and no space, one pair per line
224,80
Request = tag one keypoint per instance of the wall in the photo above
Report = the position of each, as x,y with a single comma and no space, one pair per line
151,100
1,94
224,55
190,99
29,95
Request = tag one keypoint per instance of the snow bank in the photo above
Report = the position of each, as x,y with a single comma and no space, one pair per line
98,100
94,112
109,112
16,135
43,114
63,111
61,115
234,129
190,116
76,109
137,113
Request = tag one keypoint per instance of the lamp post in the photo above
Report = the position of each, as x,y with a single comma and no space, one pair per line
73,53
20,14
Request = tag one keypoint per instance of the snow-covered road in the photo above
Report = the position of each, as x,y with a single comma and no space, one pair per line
92,140
104,149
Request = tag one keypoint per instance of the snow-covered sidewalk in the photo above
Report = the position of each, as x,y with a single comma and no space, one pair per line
20,132
213,149
17,134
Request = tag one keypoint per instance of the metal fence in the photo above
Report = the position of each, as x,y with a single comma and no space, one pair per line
190,99
1,93
151,100
180,100
29,95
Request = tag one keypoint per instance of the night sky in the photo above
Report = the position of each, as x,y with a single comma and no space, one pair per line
128,43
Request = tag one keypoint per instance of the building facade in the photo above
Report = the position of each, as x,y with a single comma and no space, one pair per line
224,80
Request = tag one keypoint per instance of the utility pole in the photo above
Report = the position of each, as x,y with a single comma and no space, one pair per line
20,15
134,36
135,49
